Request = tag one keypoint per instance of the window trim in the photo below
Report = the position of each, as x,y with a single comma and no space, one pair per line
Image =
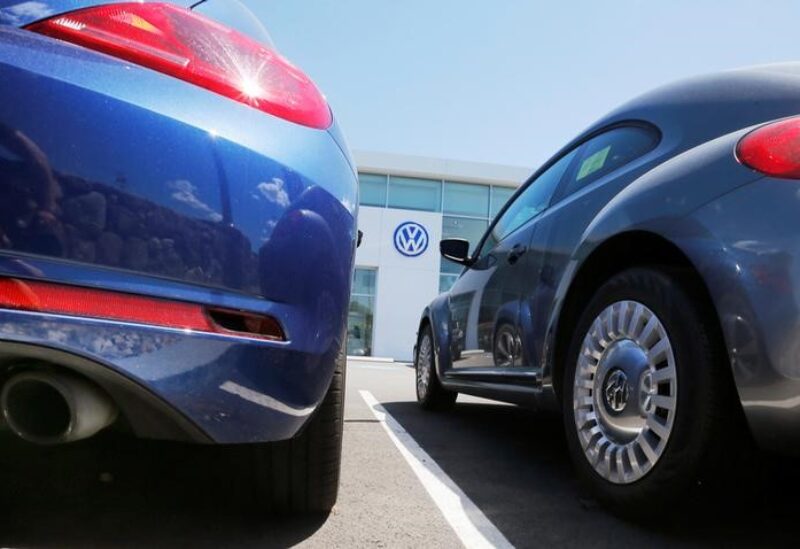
561,191
557,194
514,197
491,199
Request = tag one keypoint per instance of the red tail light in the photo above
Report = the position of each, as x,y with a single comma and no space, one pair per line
186,45
773,149
45,297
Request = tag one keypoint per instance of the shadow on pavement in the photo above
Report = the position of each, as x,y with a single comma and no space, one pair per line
113,491
513,464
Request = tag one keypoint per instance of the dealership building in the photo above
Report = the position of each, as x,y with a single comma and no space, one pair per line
407,205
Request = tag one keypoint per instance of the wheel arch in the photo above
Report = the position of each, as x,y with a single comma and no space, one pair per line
424,321
435,315
614,255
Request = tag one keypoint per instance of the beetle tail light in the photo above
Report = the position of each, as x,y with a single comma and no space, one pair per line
198,50
773,149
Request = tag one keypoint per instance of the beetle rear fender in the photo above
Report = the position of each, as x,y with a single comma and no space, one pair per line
436,315
655,207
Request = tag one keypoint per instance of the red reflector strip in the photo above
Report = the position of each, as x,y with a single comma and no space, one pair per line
45,297
75,301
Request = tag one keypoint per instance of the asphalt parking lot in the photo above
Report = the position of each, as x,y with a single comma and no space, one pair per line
502,469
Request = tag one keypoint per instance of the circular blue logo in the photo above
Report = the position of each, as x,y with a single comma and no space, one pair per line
411,239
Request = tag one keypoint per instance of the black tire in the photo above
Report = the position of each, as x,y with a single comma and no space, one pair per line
435,397
301,475
696,443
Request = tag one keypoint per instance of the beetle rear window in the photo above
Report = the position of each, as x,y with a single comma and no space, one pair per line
607,152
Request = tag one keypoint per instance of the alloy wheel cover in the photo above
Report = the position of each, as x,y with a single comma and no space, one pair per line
424,363
625,392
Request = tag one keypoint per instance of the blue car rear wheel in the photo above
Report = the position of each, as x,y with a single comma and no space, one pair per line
301,475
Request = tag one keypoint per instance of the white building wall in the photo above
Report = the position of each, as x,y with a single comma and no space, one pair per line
405,285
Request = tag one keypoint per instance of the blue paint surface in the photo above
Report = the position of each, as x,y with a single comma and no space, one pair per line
117,177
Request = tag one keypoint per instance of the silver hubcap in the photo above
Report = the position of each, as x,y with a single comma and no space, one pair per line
424,361
625,392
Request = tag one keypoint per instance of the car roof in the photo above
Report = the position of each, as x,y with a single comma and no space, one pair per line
704,107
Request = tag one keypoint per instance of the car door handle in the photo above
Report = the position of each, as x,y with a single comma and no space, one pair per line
516,252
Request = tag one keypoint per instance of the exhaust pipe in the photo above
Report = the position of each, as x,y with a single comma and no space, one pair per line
51,408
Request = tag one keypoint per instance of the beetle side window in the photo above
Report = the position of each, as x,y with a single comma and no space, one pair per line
533,200
607,152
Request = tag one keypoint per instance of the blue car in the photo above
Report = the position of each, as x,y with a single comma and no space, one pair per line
645,283
177,236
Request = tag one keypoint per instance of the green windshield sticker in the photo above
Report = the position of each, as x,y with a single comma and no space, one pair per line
593,163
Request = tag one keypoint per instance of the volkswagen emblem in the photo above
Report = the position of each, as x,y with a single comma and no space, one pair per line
616,391
411,239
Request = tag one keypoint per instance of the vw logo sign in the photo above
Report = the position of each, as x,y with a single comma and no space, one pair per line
411,239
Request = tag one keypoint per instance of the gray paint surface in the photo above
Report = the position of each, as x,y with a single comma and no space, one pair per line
737,229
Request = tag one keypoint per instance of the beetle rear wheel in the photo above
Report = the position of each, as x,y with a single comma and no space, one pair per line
625,392
646,393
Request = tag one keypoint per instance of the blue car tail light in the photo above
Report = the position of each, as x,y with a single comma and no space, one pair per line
773,149
193,48
46,297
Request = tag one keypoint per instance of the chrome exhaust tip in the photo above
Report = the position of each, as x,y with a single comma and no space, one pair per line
52,408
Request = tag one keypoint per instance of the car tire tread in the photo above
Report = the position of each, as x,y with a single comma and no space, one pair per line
301,475
437,398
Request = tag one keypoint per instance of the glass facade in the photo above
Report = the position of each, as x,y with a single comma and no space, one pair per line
362,311
415,194
466,199
468,208
432,195
500,196
372,189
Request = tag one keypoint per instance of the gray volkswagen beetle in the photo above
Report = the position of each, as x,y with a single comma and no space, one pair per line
645,281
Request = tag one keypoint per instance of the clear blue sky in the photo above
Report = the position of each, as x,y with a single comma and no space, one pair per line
510,81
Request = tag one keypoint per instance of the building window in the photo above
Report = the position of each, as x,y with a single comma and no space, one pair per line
500,196
372,189
430,195
415,194
466,199
446,282
361,314
475,206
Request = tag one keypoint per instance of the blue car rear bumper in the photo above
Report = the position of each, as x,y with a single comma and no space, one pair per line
117,177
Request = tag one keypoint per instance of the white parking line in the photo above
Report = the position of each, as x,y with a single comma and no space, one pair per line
397,366
467,520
